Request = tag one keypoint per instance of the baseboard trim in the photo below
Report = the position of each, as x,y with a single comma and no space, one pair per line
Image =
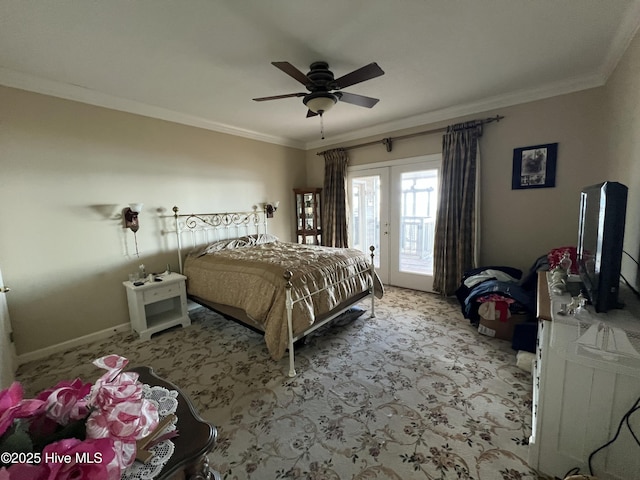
61,347
191,305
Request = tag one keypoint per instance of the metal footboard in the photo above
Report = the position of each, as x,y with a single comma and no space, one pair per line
290,302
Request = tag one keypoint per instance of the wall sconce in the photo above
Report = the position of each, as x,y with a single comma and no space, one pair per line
130,219
270,208
130,215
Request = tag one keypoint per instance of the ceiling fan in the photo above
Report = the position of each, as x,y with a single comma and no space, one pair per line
324,89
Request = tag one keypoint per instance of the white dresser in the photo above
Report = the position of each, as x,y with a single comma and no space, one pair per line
586,377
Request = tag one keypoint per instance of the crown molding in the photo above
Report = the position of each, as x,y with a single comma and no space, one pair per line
32,83
77,93
621,40
489,104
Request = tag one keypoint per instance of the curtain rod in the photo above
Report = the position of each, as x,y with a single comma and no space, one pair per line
388,142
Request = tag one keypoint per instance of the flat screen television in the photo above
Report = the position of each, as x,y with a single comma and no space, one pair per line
603,208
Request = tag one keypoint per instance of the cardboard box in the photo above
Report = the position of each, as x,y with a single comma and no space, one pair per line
498,329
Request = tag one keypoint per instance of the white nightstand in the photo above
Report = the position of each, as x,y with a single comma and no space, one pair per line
156,306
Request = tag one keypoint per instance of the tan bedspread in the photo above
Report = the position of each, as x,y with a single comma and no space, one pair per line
251,278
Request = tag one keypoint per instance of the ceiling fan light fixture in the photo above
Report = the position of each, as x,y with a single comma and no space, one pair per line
320,102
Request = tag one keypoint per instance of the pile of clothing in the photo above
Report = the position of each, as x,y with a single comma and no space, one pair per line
500,289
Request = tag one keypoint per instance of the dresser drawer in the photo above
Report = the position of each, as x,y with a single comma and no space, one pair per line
160,293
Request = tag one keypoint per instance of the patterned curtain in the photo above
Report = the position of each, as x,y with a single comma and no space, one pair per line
456,222
334,199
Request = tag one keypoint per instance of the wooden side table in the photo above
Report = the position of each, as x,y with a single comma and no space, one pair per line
156,306
196,437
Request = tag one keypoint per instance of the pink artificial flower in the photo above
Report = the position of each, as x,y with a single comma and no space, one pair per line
126,421
114,386
124,388
66,401
121,413
24,471
124,424
75,459
125,453
113,364
12,406
118,415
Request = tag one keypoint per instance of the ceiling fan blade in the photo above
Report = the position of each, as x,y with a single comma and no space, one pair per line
292,71
311,114
359,100
277,97
360,75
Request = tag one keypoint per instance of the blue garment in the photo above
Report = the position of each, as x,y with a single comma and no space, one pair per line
525,299
523,291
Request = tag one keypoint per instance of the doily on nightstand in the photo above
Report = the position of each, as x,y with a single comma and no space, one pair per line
167,403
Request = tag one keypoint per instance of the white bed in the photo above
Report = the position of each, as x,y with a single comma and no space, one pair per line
283,290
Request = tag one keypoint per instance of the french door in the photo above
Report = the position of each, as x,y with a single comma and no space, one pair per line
393,208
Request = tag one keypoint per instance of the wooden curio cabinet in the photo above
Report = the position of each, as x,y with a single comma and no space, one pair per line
308,221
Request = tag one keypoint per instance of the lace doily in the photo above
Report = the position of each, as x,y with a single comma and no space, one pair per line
167,403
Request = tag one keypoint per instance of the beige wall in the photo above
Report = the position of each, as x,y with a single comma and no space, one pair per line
622,127
518,226
68,169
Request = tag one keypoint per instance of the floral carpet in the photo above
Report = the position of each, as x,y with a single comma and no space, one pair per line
414,393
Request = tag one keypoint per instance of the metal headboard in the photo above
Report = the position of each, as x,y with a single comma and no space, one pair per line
197,229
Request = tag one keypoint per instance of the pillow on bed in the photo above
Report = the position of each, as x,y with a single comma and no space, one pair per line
232,243
222,245
260,238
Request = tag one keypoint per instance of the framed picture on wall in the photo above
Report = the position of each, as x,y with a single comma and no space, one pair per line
535,166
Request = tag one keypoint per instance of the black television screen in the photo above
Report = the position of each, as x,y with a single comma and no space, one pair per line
603,208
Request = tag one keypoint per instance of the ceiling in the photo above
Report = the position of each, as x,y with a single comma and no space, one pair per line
201,62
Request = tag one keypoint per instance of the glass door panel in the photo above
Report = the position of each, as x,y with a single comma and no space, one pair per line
418,199
414,202
369,222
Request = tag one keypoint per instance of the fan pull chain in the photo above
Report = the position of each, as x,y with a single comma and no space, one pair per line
321,125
